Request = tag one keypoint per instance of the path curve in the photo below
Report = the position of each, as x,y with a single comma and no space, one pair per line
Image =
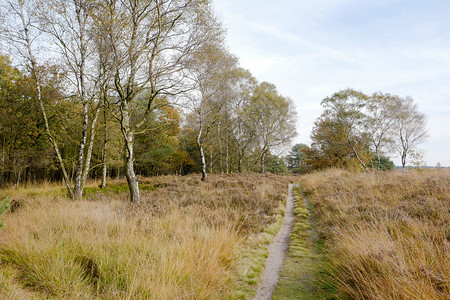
277,252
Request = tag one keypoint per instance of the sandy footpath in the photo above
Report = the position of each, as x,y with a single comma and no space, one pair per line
277,252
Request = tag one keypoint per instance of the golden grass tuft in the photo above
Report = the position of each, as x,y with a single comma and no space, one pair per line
181,242
387,235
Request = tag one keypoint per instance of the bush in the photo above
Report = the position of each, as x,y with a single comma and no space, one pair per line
4,207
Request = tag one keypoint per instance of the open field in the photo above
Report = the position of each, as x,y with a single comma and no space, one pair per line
385,235
186,240
358,236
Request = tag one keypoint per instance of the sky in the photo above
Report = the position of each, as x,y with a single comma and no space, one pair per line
311,49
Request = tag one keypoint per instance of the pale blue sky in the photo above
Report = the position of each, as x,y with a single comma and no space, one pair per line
311,49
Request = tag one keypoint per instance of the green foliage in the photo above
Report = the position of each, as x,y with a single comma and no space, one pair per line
275,164
330,147
386,163
158,148
354,128
4,207
296,160
23,144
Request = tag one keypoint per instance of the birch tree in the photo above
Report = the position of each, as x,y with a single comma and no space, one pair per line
210,70
22,34
347,108
148,41
379,123
410,129
69,24
243,86
273,117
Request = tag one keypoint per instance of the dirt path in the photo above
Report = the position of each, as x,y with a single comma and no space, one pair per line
277,252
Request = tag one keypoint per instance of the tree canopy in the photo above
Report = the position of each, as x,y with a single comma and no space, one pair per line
358,131
104,88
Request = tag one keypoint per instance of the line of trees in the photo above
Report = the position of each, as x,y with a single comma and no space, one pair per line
101,88
359,130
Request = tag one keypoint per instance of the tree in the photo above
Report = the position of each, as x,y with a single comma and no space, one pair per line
296,160
346,108
410,129
355,126
243,85
384,163
379,123
158,149
329,146
209,67
210,71
148,41
25,151
273,117
275,164
69,24
22,36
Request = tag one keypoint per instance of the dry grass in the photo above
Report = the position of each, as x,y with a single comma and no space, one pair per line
387,235
181,242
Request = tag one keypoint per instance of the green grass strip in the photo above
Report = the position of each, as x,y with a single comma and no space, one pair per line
300,274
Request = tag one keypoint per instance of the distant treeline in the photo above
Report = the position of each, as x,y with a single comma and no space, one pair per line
359,131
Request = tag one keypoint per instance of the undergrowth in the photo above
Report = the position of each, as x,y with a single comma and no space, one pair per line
386,235
186,239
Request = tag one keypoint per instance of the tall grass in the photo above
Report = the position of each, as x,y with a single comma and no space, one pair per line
181,242
387,235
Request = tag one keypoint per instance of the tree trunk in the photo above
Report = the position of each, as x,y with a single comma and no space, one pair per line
202,154
18,179
377,152
41,102
211,163
260,159
28,173
2,168
78,185
263,157
404,161
133,182
87,161
227,157
356,154
105,143
378,160
241,156
220,148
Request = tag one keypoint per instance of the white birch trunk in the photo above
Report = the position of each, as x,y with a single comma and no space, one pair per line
33,68
202,154
78,185
87,161
105,144
133,182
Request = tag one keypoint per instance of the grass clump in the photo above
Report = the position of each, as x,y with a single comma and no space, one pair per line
386,235
181,242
